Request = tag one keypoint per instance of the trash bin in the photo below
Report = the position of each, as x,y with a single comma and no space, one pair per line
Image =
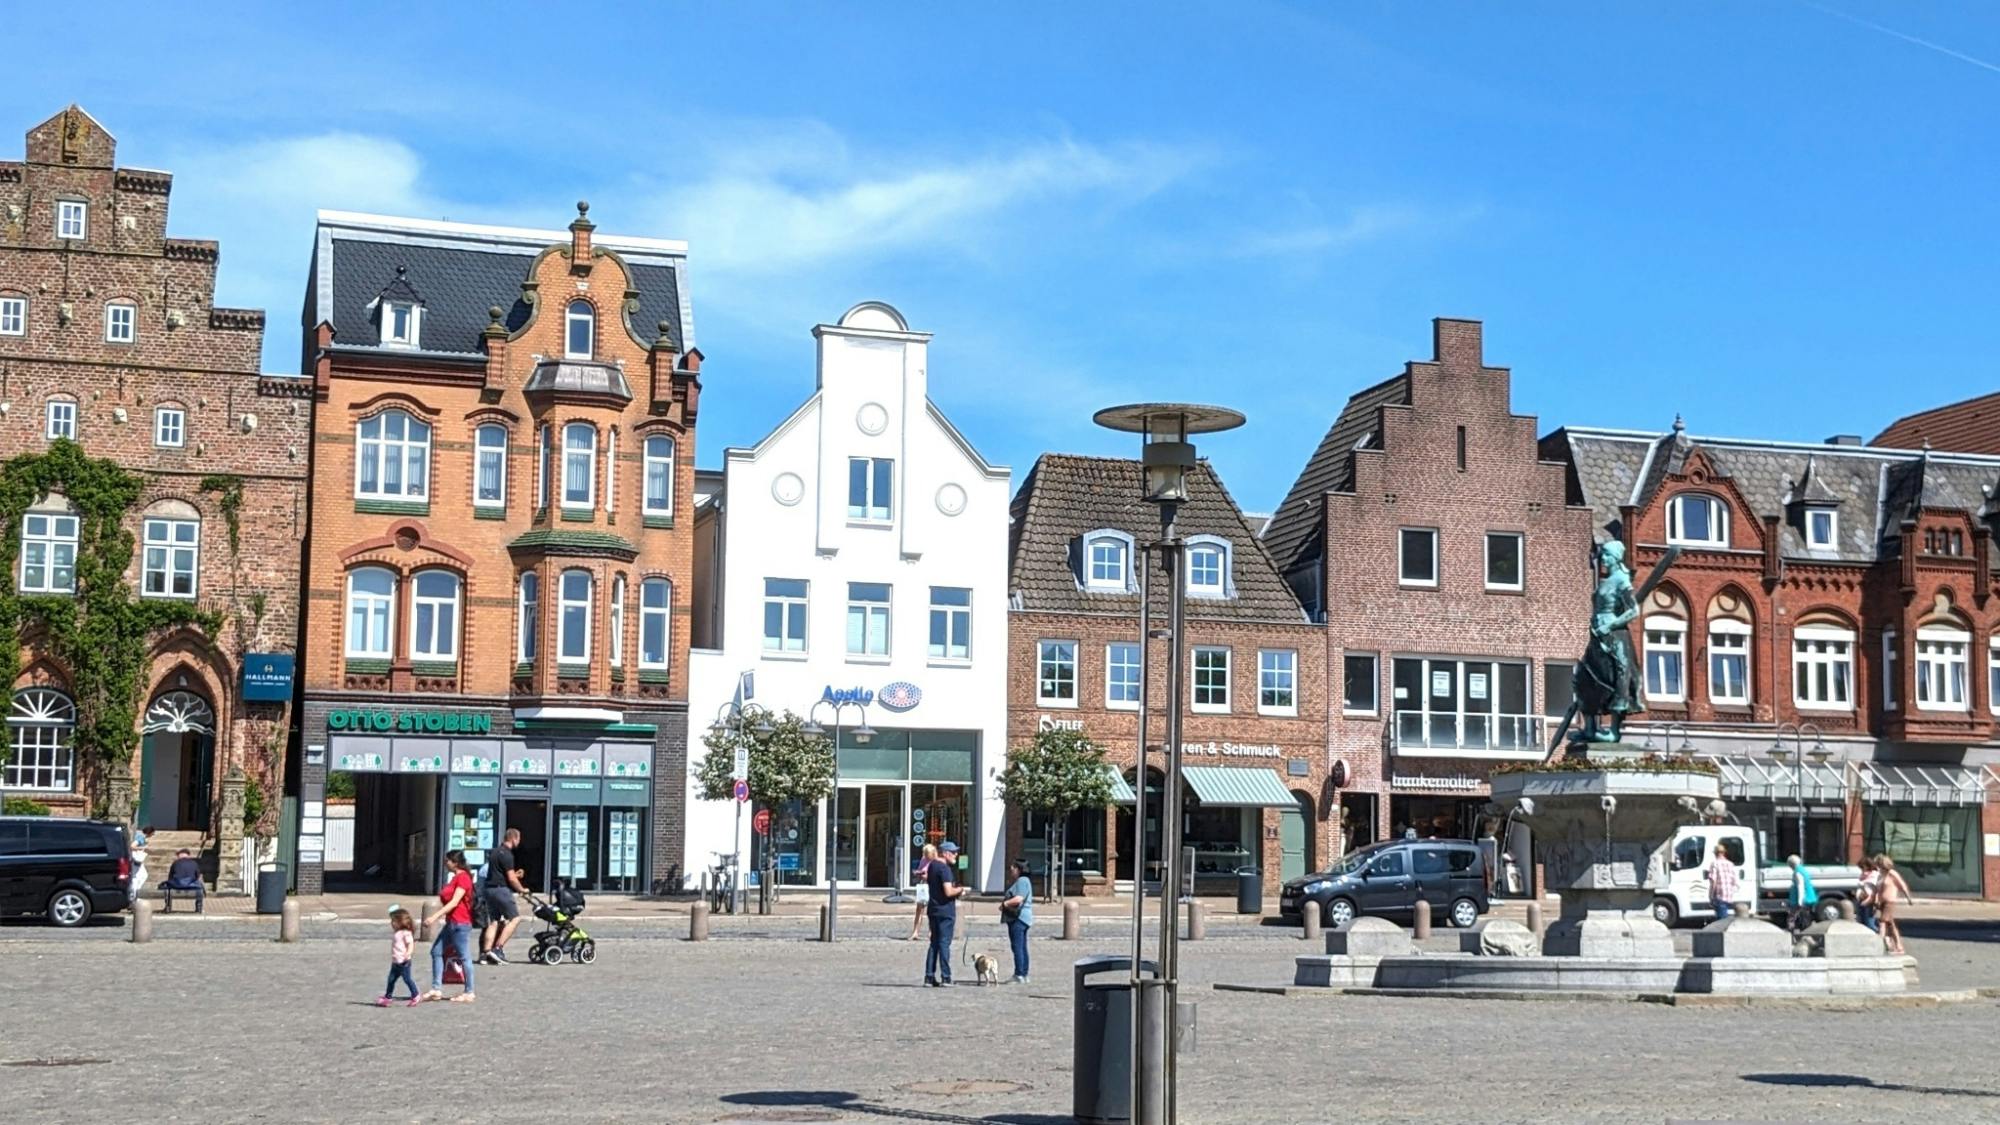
271,880
1101,1038
1249,891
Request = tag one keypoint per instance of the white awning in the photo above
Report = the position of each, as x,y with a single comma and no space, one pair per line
1121,789
1923,785
1240,787
1763,779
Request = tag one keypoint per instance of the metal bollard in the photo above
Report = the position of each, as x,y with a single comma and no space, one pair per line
142,922
1422,920
1197,920
698,922
1535,918
1072,921
1310,921
1847,910
288,921
825,925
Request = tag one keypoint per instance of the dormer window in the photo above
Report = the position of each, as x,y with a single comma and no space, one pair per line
1822,529
579,330
399,325
1107,561
1696,520
1208,567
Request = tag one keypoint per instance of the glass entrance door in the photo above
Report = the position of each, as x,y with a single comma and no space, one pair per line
847,836
882,851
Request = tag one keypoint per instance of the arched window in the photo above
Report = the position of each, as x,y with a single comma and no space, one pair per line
371,610
579,465
573,619
531,590
41,729
656,597
1666,658
1107,561
392,457
1728,661
489,477
434,616
579,330
617,627
1698,520
659,475
173,548
1208,567
1823,665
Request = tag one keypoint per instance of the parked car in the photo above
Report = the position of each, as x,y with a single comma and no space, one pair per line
1686,893
1387,879
64,870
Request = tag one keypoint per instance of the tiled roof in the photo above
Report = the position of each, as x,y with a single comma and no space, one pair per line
586,544
1065,495
1293,533
1972,426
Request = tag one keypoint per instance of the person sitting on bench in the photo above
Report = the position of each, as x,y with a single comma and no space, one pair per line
184,876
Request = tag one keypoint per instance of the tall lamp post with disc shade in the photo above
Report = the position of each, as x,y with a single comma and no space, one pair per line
862,735
741,720
1166,460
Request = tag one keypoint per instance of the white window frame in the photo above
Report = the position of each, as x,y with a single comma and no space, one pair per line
1892,684
51,531
876,620
545,444
1993,673
653,501
611,469
1118,555
956,617
566,629
412,325
375,608
1374,679
497,454
1403,579
1202,696
571,318
874,508
1831,540
170,427
68,210
1219,588
1677,520
13,316
527,626
121,329
792,609
1114,653
1944,662
1813,646
1050,663
579,462
59,419
1666,637
1738,645
177,556
1278,670
50,716
664,614
412,452
614,628
1520,561
445,618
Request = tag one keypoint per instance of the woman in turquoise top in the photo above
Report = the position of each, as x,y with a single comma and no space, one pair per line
1018,909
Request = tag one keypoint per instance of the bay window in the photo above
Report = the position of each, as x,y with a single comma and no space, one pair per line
1941,667
1462,707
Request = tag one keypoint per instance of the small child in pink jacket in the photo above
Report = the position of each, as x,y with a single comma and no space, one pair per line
402,939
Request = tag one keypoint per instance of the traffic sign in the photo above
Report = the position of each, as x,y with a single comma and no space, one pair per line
742,768
761,823
742,790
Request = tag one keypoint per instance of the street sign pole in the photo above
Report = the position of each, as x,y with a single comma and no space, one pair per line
738,901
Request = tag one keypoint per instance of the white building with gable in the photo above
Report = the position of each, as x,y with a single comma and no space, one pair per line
860,549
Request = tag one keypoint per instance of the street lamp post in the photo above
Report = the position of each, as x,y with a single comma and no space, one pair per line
1166,456
1798,753
862,734
742,719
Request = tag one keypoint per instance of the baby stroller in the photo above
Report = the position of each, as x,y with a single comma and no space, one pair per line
564,938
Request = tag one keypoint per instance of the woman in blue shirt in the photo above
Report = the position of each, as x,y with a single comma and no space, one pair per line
1018,908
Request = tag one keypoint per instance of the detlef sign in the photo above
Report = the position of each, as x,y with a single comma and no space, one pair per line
267,677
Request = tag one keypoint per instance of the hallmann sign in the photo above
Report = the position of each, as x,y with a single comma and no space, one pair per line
409,722
1193,749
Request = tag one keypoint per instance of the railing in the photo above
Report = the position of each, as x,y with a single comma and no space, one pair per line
1468,735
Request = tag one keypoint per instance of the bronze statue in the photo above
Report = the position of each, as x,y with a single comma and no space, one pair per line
1605,685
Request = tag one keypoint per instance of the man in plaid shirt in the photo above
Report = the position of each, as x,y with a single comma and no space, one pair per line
1722,883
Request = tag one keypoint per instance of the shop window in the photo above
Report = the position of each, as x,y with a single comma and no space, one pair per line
573,617
1360,682
870,485
1077,838
951,623
489,487
1666,659
1728,662
579,330
1473,706
784,615
868,619
655,622
171,550
1211,679
434,616
1121,676
1696,520
41,731
1935,848
659,499
371,598
1823,667
392,457
1055,674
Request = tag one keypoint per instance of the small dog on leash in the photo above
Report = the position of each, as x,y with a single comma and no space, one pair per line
988,968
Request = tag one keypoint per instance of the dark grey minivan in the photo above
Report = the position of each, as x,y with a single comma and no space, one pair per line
62,869
1387,879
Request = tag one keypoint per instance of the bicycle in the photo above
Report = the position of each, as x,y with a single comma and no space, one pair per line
721,883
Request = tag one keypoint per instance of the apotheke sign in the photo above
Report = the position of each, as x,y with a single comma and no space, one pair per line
411,722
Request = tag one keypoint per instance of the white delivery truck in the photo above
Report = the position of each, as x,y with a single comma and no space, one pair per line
1761,878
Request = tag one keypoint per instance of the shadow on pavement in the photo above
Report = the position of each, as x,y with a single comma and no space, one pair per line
94,922
1951,929
1857,1080
848,1102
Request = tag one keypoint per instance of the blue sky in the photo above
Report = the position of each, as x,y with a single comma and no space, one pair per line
1774,217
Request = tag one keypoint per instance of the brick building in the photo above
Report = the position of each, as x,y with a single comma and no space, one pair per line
1254,729
1842,587
497,584
109,337
1451,573
1971,426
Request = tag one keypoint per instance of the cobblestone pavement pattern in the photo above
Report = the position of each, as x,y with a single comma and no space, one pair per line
779,1029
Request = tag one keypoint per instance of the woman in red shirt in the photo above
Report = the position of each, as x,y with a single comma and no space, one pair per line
455,911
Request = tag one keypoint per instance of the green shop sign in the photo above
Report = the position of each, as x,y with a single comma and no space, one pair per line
410,722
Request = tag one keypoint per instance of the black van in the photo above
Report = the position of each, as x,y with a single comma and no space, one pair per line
1387,880
64,870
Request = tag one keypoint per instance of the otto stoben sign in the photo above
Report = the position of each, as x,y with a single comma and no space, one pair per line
410,722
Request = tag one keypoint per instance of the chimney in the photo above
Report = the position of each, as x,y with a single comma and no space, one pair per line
661,362
1844,439
579,238
1456,344
494,335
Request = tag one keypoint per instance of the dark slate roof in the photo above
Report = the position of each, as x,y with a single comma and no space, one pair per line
1874,490
1293,533
1065,495
459,272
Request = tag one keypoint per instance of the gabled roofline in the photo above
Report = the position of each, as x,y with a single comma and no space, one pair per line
480,232
1873,452
986,468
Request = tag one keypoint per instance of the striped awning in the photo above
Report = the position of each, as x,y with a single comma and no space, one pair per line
1237,787
1760,779
1121,790
1922,785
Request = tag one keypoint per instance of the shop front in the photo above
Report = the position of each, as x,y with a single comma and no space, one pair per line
1234,817
1927,819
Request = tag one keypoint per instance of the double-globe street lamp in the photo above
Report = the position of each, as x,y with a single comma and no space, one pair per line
741,720
862,734
1166,458
1798,755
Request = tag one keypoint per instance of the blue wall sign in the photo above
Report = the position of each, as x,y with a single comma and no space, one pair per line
267,677
859,695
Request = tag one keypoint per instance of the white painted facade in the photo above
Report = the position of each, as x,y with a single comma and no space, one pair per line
784,512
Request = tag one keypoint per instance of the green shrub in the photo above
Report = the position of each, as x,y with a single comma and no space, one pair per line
23,806
340,783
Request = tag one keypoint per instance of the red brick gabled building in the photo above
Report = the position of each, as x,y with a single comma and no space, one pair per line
1844,588
110,338
1450,571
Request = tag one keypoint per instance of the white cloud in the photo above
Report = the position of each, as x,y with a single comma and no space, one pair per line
1370,223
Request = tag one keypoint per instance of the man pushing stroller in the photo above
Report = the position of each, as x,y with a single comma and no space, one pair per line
502,880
